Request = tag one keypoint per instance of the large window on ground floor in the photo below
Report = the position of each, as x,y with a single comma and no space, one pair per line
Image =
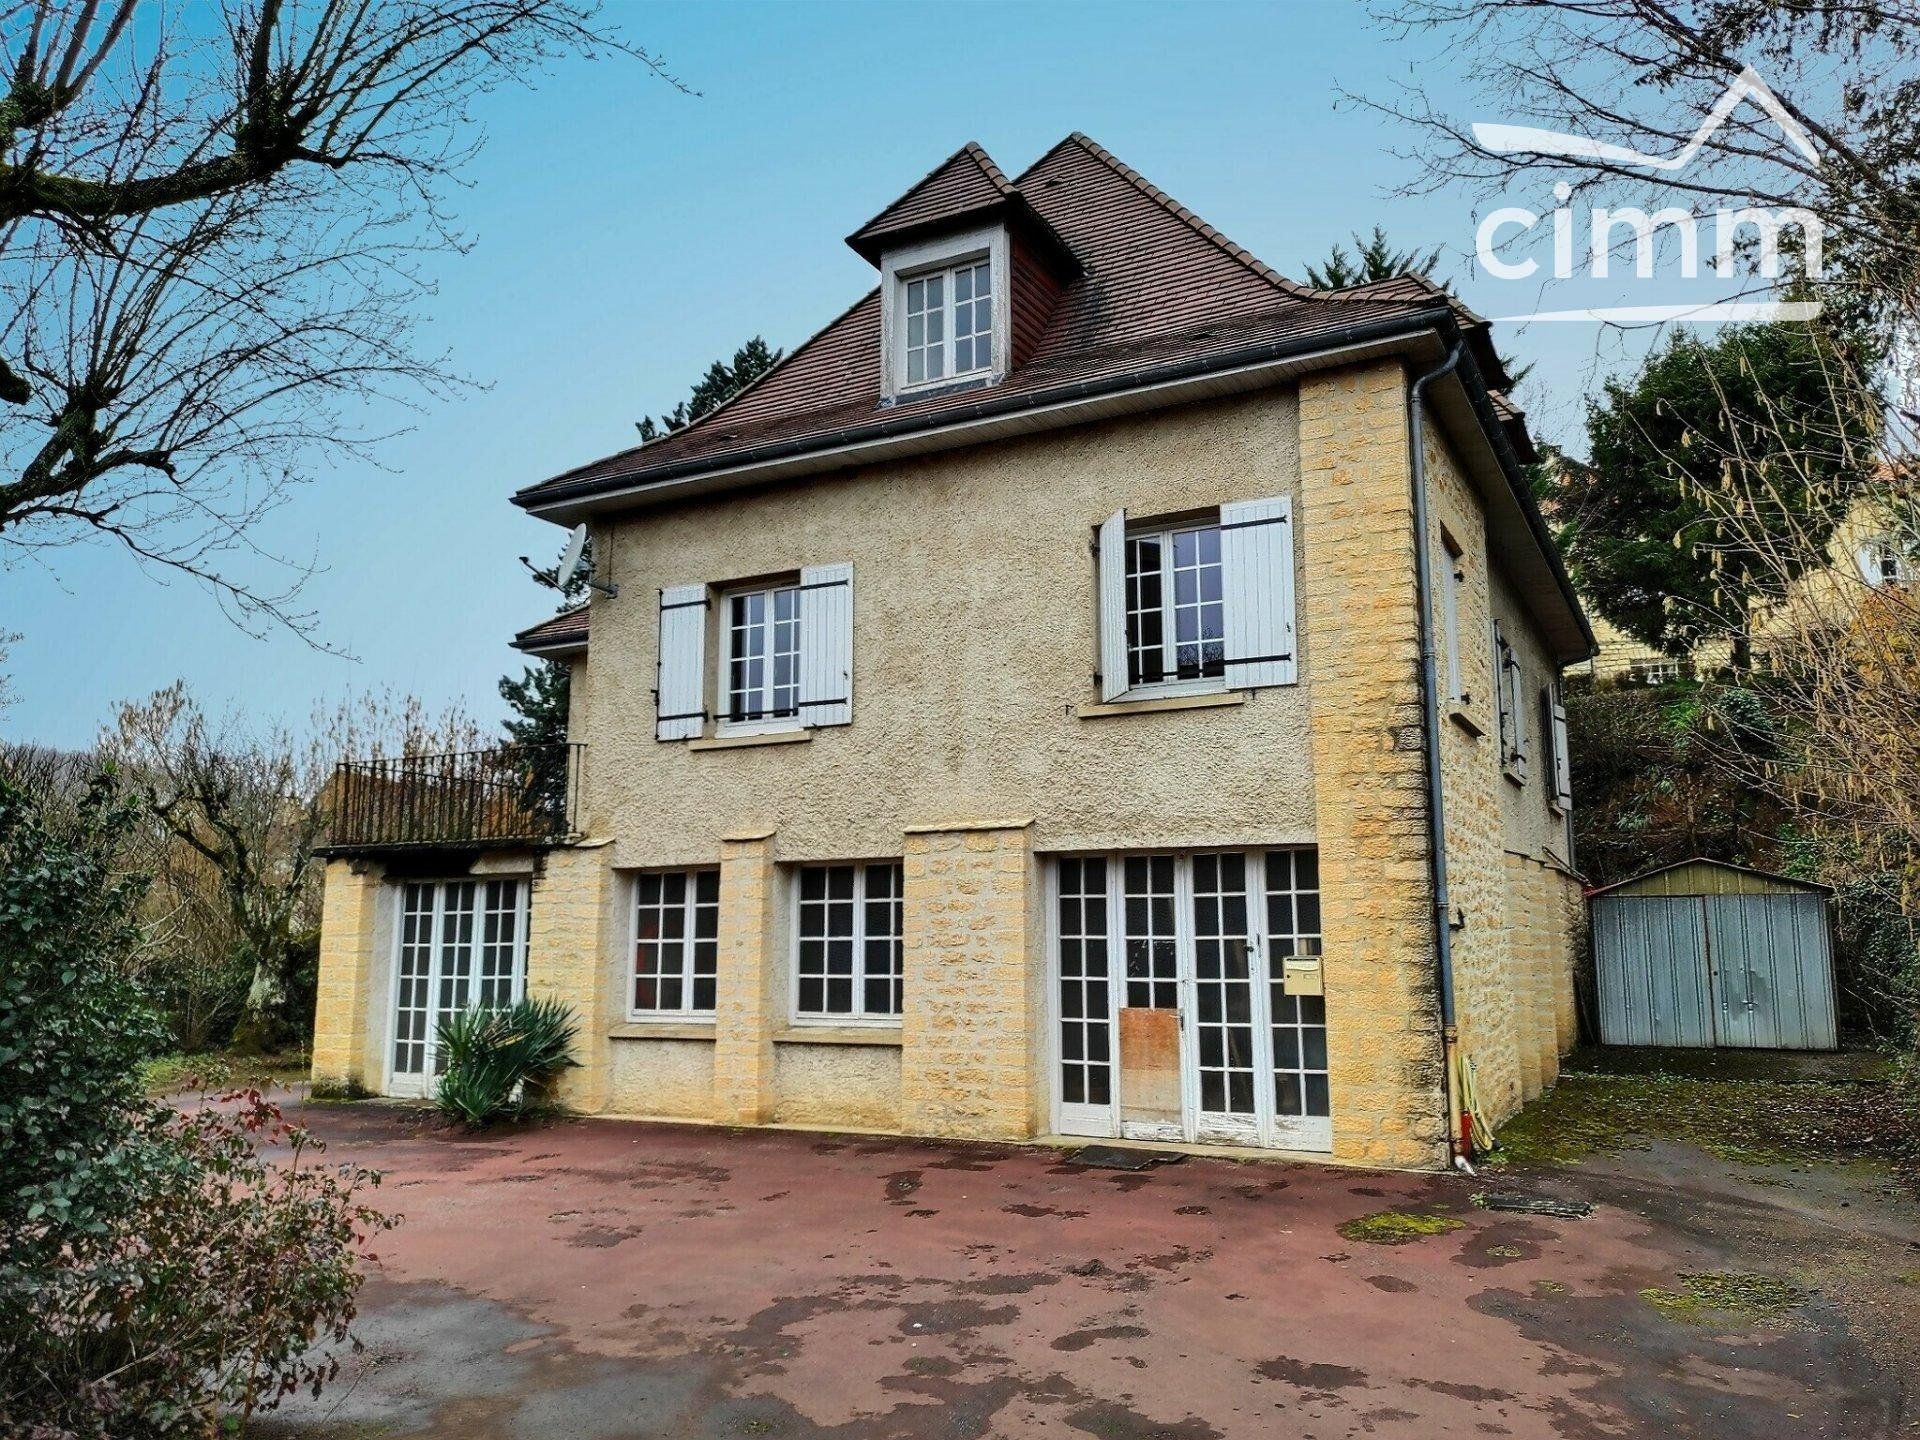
847,953
1205,941
676,929
461,943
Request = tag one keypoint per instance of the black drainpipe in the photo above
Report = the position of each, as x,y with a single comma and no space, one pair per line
1430,704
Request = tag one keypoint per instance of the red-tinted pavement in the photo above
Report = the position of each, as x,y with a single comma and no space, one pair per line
603,1279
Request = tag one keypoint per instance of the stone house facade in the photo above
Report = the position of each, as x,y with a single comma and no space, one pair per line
1025,712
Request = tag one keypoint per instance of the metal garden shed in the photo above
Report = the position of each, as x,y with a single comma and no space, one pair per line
1710,954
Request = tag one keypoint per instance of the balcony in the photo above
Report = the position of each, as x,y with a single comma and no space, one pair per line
512,795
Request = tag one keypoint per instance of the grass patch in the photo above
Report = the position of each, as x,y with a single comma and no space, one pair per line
1721,1297
171,1074
1747,1121
1397,1227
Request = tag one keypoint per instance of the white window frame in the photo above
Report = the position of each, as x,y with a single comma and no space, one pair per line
1269,1128
724,724
859,1015
1169,644
414,1084
914,262
690,907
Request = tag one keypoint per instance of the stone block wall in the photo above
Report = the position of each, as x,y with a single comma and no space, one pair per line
1361,614
966,1035
568,959
342,1035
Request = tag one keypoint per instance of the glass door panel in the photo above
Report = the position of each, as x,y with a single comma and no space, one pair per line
1204,1036
1301,1108
1223,995
459,943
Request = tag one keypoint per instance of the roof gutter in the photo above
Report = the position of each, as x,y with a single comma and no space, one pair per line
1330,346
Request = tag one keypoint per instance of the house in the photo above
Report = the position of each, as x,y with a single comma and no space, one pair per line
1871,552
1006,719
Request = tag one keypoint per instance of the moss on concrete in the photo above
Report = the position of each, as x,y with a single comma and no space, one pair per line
1721,1299
1397,1227
1745,1121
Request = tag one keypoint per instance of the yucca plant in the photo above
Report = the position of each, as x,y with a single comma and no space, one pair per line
495,1057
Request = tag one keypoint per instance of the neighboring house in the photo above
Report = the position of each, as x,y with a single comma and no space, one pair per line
1869,550
1005,718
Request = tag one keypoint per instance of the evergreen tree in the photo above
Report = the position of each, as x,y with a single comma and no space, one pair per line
1376,259
724,379
1759,410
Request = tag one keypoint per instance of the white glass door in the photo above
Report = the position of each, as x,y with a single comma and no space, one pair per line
460,943
1174,1018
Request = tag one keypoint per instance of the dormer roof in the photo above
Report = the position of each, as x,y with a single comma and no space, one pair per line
963,191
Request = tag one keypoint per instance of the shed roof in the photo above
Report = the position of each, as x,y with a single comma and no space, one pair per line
1701,876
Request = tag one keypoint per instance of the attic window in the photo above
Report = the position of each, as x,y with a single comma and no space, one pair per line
946,315
950,323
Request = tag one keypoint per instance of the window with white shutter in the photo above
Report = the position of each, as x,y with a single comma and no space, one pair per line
680,693
826,645
1193,607
784,656
1256,576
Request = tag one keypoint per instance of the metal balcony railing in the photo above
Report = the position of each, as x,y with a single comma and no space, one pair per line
509,795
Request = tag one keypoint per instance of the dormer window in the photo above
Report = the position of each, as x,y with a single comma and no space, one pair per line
945,315
950,323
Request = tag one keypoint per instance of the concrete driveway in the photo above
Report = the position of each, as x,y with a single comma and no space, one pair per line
602,1279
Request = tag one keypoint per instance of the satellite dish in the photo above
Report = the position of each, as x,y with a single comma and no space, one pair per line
570,560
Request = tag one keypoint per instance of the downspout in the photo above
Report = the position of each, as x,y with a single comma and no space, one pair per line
1436,794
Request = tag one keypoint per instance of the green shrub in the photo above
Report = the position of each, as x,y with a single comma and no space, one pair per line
156,1268
73,1027
497,1058
204,1294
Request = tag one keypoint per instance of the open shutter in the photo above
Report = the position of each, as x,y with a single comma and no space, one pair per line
826,645
1112,560
1256,579
1562,761
680,697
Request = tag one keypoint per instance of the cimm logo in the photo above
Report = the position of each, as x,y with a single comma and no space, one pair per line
1732,228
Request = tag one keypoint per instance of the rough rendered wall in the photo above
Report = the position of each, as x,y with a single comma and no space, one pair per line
974,642
966,1054
670,1079
343,1035
1358,596
852,1086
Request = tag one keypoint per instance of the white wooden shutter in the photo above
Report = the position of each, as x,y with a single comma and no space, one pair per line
1112,559
1562,761
680,696
826,645
1256,579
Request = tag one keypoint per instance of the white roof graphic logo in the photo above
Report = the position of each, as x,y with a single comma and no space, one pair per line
1747,85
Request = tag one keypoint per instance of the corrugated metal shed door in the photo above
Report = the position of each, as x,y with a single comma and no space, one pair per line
1651,963
1750,971
1772,971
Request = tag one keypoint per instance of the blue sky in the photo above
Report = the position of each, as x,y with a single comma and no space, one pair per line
625,235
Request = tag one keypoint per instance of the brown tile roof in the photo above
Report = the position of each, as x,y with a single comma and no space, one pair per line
565,631
965,182
1158,287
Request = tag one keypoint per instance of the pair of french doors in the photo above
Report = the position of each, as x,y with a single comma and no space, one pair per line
1188,1000
460,943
